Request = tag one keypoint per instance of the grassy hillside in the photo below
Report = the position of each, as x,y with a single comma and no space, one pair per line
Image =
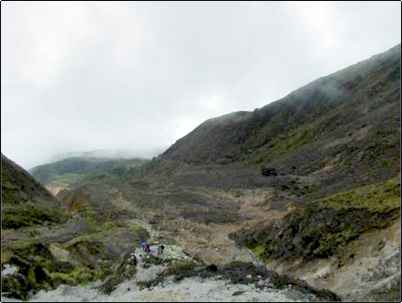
343,128
24,201
310,113
325,226
72,170
50,243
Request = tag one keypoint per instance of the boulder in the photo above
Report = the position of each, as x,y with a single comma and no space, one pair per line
61,254
123,270
268,171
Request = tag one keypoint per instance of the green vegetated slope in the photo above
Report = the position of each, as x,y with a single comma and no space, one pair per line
345,126
51,243
24,201
73,170
323,227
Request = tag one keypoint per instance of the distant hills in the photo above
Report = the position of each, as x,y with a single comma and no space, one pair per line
61,174
109,154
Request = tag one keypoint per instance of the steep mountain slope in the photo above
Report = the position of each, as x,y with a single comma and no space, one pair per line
24,201
335,141
344,127
341,101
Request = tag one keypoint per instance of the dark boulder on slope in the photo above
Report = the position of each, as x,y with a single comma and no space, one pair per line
268,171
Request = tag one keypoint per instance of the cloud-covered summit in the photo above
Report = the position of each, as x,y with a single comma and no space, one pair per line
110,75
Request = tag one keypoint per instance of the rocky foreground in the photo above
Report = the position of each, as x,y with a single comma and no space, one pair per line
174,276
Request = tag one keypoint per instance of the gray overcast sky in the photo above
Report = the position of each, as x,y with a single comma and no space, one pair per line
84,76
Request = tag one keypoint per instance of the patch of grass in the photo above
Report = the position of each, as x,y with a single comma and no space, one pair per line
284,144
258,250
79,275
180,267
67,179
5,255
379,197
322,228
29,213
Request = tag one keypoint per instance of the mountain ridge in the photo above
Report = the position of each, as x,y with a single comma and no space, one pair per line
329,88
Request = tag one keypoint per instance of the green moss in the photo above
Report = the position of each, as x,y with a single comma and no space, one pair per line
324,227
5,255
258,250
125,269
7,184
284,144
138,231
29,213
381,197
179,267
387,293
86,245
80,275
15,287
40,269
152,260
31,277
109,225
386,163
34,263
66,179
329,243
90,216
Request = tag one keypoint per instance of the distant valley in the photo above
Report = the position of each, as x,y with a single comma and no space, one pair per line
64,173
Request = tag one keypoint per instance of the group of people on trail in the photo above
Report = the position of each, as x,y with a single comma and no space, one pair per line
147,248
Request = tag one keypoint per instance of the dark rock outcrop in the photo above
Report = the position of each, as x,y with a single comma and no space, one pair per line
268,171
123,270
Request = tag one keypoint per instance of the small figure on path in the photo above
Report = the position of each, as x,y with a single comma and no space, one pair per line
160,249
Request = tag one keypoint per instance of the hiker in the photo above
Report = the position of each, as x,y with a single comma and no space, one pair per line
160,249
147,248
143,245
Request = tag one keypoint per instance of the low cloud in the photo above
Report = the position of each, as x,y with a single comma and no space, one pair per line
131,75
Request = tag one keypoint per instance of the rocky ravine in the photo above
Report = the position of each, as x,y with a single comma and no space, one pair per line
309,184
175,276
80,258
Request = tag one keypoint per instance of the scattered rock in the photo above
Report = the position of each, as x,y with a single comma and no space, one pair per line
124,270
212,268
268,171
